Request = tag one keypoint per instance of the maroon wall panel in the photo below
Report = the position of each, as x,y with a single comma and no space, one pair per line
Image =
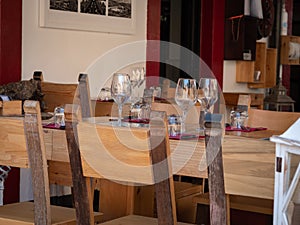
153,33
10,70
212,36
11,40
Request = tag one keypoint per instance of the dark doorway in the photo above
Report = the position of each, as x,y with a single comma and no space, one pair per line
295,69
180,24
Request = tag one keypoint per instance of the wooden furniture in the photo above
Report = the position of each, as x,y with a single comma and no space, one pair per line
56,94
260,73
59,94
9,108
231,99
110,152
265,63
273,120
22,145
285,58
244,160
256,152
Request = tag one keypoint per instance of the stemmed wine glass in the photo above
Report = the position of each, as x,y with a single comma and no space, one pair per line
137,78
120,91
185,97
207,95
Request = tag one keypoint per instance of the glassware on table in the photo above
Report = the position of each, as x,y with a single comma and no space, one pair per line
137,78
156,91
105,94
59,117
238,119
207,96
185,97
120,91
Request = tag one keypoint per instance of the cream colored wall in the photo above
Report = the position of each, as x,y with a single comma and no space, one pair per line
63,54
229,74
229,84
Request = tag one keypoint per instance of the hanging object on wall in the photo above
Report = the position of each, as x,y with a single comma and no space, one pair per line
284,20
265,25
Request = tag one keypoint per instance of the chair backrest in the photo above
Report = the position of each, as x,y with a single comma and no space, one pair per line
59,94
273,120
128,155
22,144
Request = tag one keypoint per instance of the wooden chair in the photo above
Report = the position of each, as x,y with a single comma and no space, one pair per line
56,94
60,94
150,148
22,145
273,120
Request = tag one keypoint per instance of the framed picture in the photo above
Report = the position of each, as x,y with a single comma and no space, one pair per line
111,16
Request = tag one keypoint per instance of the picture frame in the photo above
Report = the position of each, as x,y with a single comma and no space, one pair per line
109,16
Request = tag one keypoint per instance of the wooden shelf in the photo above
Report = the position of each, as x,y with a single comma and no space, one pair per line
285,49
264,65
244,71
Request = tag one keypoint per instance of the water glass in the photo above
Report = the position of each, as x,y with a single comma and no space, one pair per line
120,91
59,117
185,97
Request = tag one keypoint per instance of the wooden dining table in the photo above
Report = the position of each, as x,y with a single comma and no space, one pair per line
248,158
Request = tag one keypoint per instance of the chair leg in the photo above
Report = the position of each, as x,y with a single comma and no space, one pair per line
228,208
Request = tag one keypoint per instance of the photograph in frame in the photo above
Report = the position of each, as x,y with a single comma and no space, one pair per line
110,16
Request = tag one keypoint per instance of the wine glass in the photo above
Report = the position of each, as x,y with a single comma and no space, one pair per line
207,96
137,78
120,91
185,97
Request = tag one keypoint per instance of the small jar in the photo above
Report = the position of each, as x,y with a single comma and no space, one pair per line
59,117
174,127
105,94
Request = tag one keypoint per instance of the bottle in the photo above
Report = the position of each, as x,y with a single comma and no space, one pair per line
284,20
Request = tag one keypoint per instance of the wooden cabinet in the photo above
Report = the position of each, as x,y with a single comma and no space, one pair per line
289,45
260,73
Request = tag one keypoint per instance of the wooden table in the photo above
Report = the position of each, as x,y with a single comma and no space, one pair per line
248,162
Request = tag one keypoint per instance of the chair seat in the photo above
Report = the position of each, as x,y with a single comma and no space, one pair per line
23,213
136,220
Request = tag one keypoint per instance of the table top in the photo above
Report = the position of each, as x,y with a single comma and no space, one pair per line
248,159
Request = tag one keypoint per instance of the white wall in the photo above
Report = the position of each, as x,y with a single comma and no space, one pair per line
63,54
229,77
229,83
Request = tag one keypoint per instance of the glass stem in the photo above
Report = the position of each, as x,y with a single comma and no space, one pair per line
120,107
184,113
203,113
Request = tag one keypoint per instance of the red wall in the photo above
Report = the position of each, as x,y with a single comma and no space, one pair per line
11,40
10,69
212,36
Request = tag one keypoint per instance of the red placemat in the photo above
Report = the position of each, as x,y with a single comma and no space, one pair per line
185,137
135,120
53,126
109,100
245,129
